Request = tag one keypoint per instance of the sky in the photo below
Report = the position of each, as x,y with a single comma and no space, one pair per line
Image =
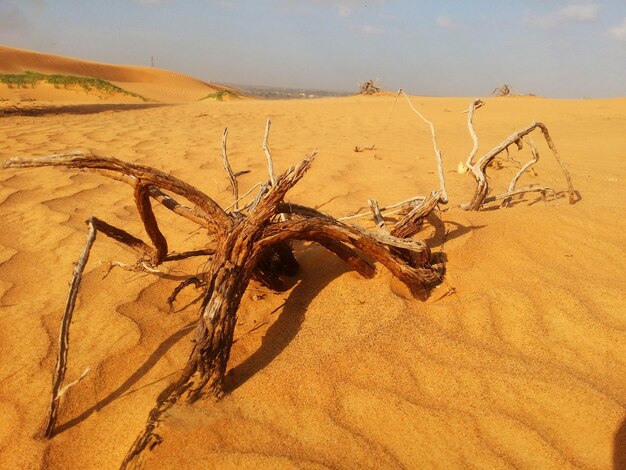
555,48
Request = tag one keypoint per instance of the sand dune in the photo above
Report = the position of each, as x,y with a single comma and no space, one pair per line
523,367
151,83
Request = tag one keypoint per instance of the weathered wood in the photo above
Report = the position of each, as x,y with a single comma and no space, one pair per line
196,282
237,258
231,176
64,335
216,217
253,245
268,155
405,205
443,195
378,218
520,172
121,236
412,222
142,200
479,167
536,188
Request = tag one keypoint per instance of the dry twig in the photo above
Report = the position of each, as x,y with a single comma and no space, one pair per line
64,335
478,168
229,170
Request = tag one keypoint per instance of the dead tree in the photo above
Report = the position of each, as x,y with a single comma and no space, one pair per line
479,167
252,242
503,90
369,87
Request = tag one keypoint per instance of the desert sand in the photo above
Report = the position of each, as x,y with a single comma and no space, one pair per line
523,366
151,83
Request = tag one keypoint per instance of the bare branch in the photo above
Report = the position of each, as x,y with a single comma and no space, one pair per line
64,335
187,282
217,218
474,105
412,223
189,254
121,236
158,195
176,207
479,168
405,205
263,189
570,184
526,189
417,279
521,171
247,193
229,170
443,195
277,193
268,155
378,218
142,200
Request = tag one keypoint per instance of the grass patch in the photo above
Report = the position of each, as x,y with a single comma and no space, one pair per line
219,95
30,79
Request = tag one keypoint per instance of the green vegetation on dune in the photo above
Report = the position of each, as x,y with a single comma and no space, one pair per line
30,79
219,95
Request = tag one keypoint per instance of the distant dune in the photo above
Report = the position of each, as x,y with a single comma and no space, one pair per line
151,83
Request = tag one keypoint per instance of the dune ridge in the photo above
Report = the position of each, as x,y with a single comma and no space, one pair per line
152,83
523,367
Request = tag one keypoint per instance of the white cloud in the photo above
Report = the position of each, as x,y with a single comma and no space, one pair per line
579,11
443,22
573,12
619,32
448,24
344,11
229,5
149,2
346,8
367,29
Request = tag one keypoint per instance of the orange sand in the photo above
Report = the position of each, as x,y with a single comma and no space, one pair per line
524,367
152,83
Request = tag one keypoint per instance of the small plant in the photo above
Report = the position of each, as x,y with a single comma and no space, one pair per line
30,79
220,94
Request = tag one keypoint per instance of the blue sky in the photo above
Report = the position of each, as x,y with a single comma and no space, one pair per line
559,48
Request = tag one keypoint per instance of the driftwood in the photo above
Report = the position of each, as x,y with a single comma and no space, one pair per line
252,243
479,168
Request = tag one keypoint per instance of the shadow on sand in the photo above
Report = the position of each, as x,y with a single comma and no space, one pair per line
148,364
318,269
619,447
91,108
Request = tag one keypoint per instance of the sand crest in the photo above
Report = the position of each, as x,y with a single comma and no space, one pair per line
152,83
